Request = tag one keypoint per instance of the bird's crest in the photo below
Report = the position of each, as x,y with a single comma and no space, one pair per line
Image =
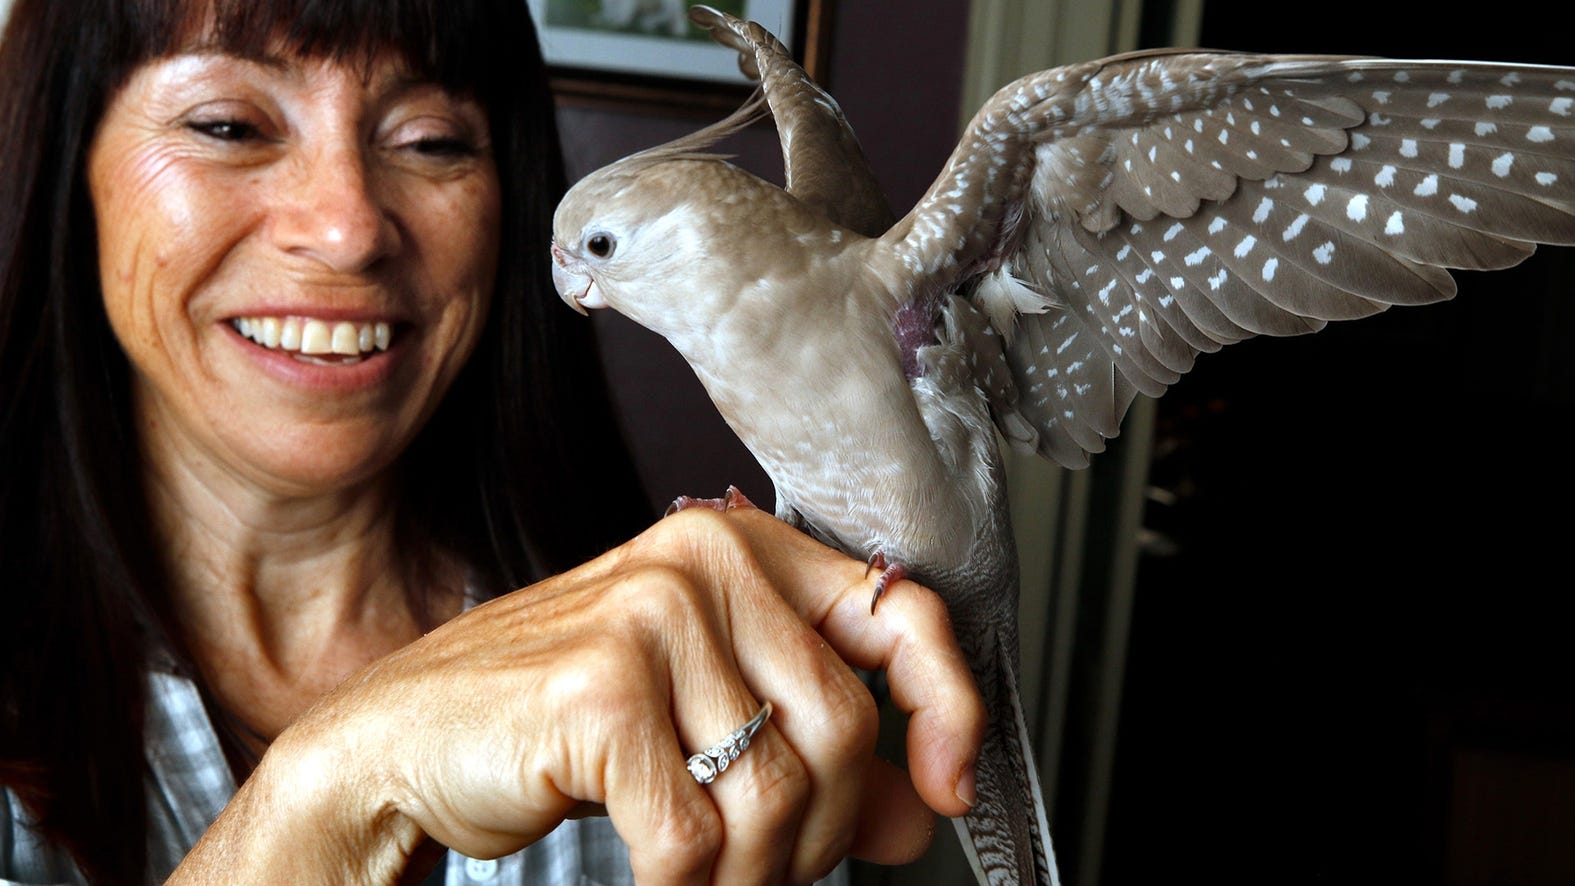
695,145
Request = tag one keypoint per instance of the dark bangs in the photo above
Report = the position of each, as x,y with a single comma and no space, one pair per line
455,44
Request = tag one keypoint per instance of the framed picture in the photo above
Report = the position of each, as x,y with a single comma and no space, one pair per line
633,52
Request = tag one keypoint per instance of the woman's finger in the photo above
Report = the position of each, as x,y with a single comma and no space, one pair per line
673,830
615,740
760,795
895,827
909,636
825,714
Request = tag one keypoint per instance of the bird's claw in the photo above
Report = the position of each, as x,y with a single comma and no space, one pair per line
732,499
889,572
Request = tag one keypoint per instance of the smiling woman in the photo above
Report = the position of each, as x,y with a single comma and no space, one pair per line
290,419
308,195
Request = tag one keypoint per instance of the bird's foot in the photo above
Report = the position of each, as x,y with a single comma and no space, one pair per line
889,572
730,500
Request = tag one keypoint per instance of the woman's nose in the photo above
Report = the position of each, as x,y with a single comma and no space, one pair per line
331,211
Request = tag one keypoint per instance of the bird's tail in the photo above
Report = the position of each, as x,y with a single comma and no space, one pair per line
1005,846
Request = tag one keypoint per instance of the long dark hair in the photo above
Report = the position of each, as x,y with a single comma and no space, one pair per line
521,472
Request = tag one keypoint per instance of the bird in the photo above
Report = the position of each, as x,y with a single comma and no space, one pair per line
1098,227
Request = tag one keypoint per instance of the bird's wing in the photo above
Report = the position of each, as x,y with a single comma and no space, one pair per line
824,166
1112,220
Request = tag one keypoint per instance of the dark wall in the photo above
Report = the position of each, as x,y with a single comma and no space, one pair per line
896,69
1353,664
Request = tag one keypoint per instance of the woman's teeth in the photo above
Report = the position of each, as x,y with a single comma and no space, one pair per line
315,337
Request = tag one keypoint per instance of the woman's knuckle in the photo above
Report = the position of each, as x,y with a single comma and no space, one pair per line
927,606
848,719
855,709
778,790
655,597
817,863
691,837
690,524
600,684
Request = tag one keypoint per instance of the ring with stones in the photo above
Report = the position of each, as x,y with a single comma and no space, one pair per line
714,760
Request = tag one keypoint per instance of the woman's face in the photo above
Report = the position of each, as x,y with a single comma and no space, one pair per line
296,255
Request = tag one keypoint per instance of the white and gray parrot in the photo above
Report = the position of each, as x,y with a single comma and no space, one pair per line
1097,228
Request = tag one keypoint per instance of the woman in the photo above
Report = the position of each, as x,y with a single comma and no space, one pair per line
283,396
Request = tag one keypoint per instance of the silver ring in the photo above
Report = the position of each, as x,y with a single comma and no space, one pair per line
714,760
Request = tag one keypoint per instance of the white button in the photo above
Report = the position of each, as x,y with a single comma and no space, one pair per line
481,868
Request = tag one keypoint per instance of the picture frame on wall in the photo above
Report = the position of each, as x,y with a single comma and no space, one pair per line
633,53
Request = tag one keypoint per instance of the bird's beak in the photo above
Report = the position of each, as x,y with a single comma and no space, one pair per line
572,287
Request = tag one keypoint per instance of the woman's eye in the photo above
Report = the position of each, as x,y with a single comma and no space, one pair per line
225,130
444,147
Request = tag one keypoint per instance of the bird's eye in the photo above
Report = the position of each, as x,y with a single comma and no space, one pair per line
600,244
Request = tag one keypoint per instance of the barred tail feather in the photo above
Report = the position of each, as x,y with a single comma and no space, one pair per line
1004,846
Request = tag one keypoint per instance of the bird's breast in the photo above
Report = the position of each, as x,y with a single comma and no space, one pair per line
843,441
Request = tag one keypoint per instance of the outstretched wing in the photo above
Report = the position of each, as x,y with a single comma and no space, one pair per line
823,163
1113,220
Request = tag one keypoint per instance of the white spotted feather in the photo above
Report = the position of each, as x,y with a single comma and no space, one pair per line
1181,201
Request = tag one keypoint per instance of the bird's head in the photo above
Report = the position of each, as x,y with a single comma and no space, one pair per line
622,236
594,234
629,235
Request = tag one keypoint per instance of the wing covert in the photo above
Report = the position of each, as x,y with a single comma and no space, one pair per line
1167,204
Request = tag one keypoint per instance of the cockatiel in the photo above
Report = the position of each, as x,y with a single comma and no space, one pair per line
1097,228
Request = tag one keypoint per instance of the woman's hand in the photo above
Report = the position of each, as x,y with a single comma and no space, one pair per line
593,687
